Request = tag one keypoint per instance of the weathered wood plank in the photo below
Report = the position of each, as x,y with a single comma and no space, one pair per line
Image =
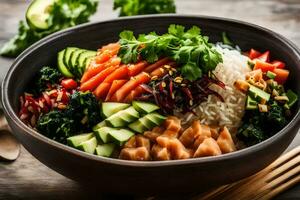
27,178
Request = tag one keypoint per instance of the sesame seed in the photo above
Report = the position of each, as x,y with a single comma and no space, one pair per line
171,73
167,66
163,84
154,78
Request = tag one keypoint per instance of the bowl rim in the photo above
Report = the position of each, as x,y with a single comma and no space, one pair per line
8,110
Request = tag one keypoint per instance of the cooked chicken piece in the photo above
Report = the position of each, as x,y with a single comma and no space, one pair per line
170,133
139,154
241,85
158,129
208,147
174,146
151,135
225,141
142,141
160,153
204,132
173,124
187,137
131,143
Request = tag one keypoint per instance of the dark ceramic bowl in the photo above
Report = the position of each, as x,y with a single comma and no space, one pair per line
120,176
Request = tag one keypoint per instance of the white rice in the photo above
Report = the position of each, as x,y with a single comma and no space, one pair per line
230,112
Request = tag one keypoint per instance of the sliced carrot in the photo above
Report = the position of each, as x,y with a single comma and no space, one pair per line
112,47
95,69
137,68
103,57
116,84
281,75
264,66
120,73
92,71
134,94
92,83
102,90
130,85
157,64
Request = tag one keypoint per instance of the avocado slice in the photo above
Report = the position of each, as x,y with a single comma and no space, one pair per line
74,141
138,126
99,125
61,66
258,94
144,107
129,115
123,117
120,136
105,149
102,133
156,118
110,108
88,146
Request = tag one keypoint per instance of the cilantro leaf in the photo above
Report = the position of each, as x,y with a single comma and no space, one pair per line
142,7
188,48
191,71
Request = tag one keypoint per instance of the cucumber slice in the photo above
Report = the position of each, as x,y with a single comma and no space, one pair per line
81,61
88,146
144,107
74,141
102,133
68,53
110,108
99,125
88,61
38,13
73,58
105,149
61,66
120,136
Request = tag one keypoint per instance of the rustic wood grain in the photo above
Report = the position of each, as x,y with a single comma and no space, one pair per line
27,178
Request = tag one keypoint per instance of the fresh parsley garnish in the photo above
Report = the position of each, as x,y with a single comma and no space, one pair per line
188,48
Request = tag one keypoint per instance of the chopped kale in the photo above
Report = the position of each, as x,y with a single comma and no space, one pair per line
47,75
81,115
258,126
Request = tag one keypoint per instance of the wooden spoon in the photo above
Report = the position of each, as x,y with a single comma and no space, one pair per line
9,146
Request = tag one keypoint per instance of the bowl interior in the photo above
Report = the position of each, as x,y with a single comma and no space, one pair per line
93,36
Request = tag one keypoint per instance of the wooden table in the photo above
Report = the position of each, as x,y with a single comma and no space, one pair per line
27,178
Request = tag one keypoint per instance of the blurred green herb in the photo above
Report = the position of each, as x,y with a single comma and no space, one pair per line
188,48
63,14
142,7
